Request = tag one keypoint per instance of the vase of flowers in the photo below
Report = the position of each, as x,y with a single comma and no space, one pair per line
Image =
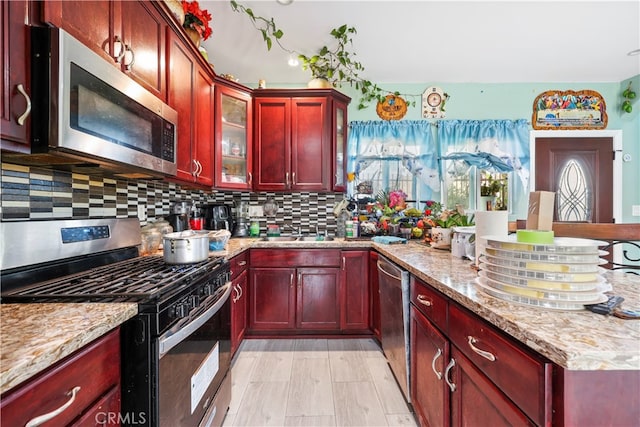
196,22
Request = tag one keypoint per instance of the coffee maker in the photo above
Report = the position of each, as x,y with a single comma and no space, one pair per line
179,215
218,217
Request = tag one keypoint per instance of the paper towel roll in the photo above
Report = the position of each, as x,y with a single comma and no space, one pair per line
490,223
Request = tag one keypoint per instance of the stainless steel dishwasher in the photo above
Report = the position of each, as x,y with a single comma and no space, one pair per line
394,320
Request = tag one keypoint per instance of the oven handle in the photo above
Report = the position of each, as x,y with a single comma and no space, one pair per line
168,342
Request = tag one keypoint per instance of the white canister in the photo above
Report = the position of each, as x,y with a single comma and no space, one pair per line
440,238
489,223
460,240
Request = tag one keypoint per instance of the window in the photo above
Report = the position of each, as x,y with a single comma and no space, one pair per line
475,189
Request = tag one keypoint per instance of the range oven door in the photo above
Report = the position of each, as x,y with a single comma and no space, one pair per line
194,363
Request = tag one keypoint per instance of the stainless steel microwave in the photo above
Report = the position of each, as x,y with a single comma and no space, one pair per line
86,110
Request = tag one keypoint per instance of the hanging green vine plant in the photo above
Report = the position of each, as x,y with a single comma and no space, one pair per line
628,96
336,64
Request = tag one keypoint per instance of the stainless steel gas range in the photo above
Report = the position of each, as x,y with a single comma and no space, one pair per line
176,352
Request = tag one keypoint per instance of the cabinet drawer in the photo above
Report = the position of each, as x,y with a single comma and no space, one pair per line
430,303
295,258
522,375
238,264
94,368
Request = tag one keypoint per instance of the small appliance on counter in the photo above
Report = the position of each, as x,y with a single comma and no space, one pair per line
243,220
179,216
218,217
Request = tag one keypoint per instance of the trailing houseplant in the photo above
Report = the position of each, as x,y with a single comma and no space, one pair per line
336,64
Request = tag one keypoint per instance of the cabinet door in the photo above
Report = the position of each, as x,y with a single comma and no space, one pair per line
339,130
233,151
477,401
317,298
181,97
143,33
96,24
272,164
355,290
202,142
238,310
374,289
310,144
272,298
429,358
14,49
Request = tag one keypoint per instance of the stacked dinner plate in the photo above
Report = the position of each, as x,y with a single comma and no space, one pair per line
563,275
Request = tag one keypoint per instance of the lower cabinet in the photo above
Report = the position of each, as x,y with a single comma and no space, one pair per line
374,292
239,297
308,291
466,372
82,389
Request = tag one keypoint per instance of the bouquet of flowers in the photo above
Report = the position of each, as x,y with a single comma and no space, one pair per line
196,19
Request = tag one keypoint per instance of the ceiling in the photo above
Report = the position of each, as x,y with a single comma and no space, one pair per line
437,41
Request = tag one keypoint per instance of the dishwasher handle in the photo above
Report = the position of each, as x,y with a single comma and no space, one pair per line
381,268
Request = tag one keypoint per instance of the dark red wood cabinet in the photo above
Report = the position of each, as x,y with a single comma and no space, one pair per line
190,92
463,368
93,371
374,292
239,298
355,299
128,34
15,121
294,139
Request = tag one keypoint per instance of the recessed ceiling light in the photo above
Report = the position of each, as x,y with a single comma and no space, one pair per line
285,2
634,52
293,61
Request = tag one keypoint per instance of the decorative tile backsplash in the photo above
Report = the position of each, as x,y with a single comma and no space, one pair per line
36,193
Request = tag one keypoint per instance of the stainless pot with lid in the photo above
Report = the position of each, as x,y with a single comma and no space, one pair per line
186,247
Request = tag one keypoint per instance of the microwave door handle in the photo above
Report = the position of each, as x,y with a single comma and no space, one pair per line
168,342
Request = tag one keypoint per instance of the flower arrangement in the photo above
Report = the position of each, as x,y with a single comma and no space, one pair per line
197,19
435,216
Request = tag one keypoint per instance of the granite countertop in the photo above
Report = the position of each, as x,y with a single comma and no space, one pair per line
35,336
575,340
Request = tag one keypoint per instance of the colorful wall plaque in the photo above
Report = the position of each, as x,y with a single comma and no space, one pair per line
555,109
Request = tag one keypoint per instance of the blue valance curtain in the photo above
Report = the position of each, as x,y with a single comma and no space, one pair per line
481,142
411,142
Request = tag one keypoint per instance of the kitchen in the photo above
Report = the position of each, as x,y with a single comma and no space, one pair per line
32,192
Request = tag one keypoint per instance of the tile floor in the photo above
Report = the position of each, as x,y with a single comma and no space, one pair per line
314,382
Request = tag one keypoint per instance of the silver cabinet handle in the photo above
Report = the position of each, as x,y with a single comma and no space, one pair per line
129,57
242,263
286,178
293,178
424,301
27,110
250,178
433,364
41,419
121,49
240,290
237,295
291,281
489,356
451,364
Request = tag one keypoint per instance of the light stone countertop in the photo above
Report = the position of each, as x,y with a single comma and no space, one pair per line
35,336
575,340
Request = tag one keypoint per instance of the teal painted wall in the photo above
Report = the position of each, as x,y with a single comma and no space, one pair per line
479,101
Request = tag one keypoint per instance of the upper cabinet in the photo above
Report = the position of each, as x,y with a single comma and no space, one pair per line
128,34
339,129
15,108
294,139
233,130
191,93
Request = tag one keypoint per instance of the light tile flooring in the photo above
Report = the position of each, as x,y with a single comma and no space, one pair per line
314,382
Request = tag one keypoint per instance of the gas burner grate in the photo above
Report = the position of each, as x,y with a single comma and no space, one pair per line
137,279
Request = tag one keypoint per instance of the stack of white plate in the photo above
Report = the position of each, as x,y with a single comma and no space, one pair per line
565,275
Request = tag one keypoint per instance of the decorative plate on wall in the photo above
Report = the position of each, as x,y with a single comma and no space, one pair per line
394,107
556,109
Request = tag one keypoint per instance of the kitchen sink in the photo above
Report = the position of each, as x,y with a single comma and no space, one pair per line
279,238
320,238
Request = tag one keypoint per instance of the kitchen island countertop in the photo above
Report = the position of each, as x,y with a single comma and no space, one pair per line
35,336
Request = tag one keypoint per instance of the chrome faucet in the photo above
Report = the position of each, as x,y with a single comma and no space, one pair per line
296,231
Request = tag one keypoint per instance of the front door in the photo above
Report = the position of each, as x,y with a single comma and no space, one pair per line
580,171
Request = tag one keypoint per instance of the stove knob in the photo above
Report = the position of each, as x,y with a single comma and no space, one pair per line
207,289
181,310
194,301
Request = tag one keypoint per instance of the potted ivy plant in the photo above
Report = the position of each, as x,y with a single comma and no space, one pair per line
489,189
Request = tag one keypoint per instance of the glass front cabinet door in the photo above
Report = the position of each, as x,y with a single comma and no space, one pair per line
340,145
233,137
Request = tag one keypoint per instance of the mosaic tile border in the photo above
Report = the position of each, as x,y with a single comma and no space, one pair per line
36,193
